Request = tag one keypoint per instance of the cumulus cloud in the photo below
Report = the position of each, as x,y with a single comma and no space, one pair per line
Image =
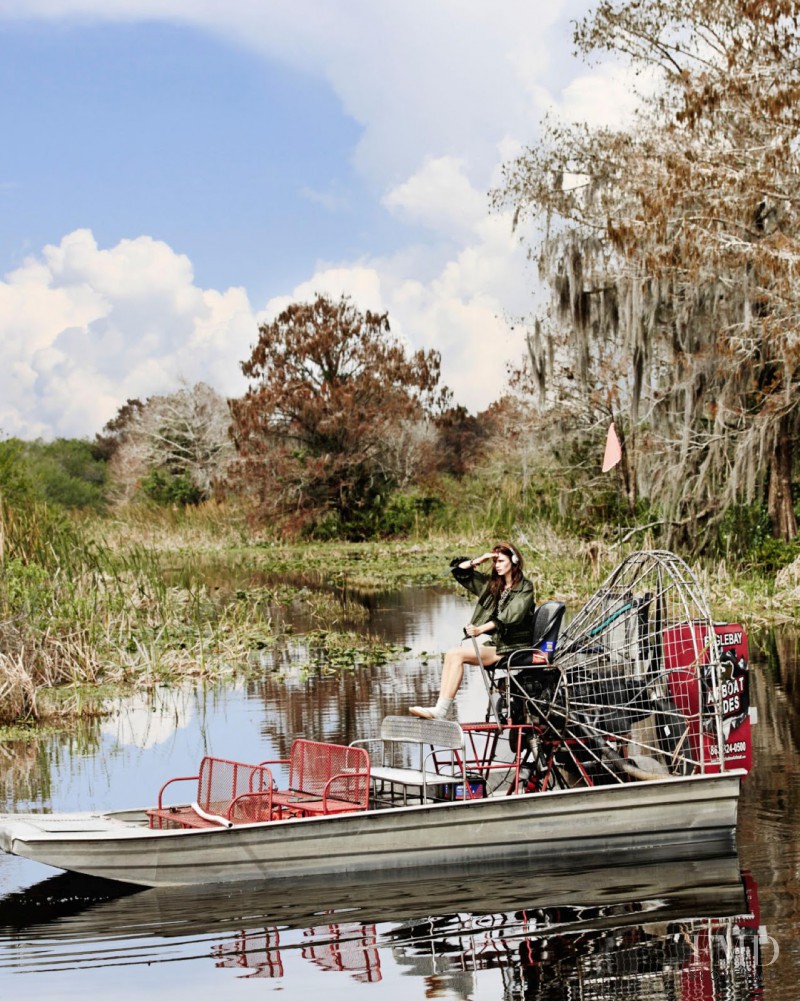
439,196
361,282
608,97
422,77
443,92
85,328
459,310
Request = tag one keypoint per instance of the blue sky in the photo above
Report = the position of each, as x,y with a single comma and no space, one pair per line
166,130
172,172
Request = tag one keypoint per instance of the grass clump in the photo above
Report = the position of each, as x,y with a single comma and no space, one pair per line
156,596
74,612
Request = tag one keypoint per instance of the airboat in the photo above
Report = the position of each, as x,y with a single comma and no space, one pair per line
621,736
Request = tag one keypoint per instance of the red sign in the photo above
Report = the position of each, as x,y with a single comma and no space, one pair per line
697,697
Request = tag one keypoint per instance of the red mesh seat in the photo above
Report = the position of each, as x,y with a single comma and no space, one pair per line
349,947
228,793
324,779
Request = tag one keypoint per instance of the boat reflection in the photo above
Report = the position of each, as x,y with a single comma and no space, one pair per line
595,952
679,930
344,948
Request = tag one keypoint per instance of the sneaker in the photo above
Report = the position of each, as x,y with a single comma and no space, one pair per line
431,712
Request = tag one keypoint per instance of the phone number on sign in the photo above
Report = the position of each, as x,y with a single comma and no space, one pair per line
737,748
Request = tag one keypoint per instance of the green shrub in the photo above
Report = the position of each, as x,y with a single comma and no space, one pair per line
409,513
15,481
771,555
27,589
171,489
66,472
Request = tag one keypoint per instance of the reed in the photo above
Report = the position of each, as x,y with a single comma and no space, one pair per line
85,604
73,611
165,595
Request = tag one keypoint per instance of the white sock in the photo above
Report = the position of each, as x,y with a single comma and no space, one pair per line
443,707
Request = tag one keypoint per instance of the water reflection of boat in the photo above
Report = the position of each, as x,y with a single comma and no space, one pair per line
621,738
88,908
563,931
588,954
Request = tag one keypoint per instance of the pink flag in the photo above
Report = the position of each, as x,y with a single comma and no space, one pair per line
613,449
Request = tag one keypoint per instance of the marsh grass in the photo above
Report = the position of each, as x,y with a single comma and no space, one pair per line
166,595
213,525
79,610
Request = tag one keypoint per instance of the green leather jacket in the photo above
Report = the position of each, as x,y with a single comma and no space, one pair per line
513,617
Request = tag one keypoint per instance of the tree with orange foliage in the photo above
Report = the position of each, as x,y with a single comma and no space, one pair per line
332,393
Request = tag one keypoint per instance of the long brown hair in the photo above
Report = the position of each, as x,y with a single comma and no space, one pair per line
497,583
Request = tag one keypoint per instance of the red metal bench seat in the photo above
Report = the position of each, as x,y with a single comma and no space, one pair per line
228,793
323,779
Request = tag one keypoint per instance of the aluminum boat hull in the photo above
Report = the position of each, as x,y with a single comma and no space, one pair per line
690,817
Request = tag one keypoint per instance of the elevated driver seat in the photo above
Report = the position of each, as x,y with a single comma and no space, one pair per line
547,621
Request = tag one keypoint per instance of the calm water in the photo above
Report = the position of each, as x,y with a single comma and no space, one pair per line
718,929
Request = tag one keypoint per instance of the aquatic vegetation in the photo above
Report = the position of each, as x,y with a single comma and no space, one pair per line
187,595
333,652
75,612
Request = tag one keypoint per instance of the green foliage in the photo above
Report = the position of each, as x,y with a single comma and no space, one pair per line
742,531
410,514
401,515
169,489
15,481
774,554
326,528
27,589
66,472
33,533
596,508
745,538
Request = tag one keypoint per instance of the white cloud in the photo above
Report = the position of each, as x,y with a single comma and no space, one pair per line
607,97
459,310
440,197
422,77
443,91
85,328
361,282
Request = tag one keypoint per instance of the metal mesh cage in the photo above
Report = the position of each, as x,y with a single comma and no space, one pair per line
632,688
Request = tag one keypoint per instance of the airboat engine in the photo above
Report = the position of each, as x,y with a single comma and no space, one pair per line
642,684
